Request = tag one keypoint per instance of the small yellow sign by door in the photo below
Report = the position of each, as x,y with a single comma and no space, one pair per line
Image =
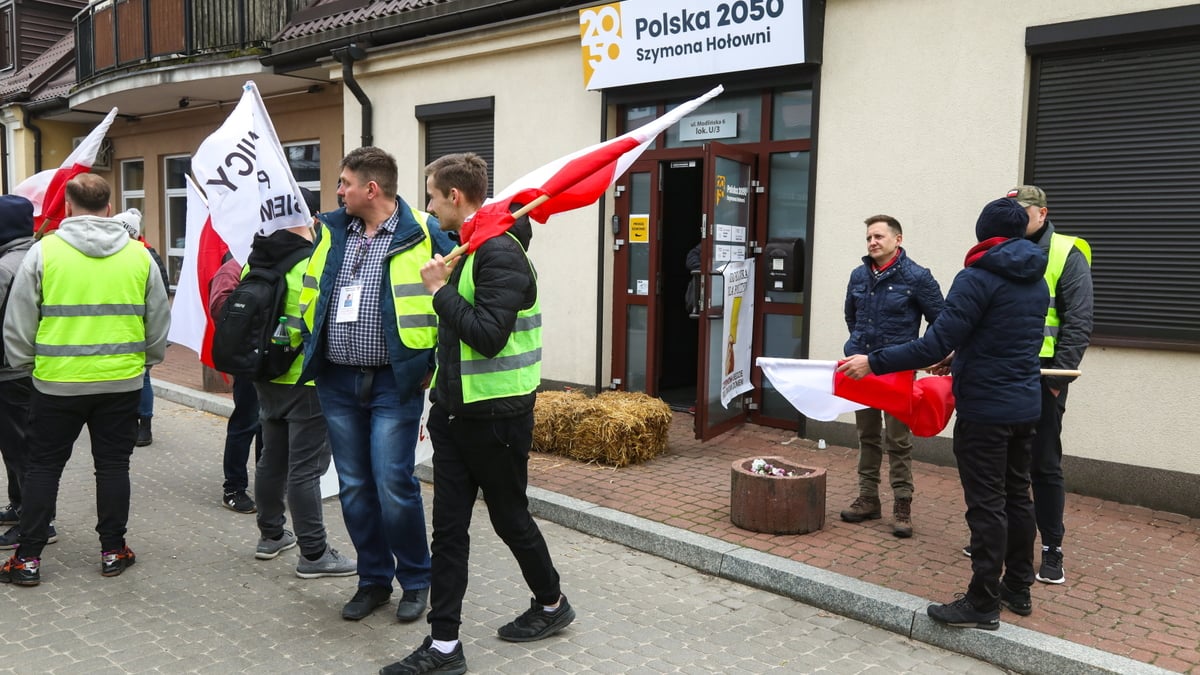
639,229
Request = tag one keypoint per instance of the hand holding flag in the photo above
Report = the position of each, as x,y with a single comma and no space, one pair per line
570,182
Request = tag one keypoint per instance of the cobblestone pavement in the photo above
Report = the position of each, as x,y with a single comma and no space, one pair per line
198,601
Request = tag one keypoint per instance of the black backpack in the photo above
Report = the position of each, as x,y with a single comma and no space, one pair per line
242,344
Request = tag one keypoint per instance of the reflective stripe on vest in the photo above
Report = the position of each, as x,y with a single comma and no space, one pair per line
517,369
1060,248
291,310
93,326
415,318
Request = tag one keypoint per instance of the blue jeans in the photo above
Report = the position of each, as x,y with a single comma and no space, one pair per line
373,435
146,402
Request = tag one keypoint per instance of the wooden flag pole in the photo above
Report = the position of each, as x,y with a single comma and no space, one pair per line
1061,372
41,231
457,251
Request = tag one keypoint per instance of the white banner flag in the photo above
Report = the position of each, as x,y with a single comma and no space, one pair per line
245,175
739,328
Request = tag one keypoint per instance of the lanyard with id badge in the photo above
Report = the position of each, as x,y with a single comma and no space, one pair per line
349,301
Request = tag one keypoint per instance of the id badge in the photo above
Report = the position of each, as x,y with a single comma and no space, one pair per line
348,304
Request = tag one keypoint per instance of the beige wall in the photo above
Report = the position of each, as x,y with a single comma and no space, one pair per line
923,112
300,117
541,113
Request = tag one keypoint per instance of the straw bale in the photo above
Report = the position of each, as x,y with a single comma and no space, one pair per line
614,428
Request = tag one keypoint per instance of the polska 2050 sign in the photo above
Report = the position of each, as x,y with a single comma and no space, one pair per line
648,41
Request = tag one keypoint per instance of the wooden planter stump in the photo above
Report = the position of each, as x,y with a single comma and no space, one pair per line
777,504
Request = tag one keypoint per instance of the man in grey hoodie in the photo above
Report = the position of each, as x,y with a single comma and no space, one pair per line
88,312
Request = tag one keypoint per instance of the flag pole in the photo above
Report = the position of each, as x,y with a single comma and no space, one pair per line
1061,372
41,230
457,251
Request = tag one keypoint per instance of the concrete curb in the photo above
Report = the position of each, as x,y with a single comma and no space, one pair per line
1011,647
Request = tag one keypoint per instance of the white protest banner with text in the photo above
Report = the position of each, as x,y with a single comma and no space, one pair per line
244,173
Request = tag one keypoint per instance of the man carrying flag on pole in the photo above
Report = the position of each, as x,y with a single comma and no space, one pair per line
992,321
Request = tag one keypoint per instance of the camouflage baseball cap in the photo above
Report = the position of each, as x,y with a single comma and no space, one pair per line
1028,195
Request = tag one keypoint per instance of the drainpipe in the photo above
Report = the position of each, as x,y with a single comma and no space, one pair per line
347,56
27,121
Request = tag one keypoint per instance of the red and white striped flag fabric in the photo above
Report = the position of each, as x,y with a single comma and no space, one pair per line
47,190
203,254
816,389
573,181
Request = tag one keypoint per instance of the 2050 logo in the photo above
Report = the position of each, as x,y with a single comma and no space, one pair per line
600,36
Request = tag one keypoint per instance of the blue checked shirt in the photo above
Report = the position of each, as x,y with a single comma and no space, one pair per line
361,343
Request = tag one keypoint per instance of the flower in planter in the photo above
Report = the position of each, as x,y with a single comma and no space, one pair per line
760,466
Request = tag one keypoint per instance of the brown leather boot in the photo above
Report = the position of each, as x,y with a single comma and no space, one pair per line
902,517
863,508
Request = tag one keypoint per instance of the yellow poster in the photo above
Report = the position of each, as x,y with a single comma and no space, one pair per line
639,229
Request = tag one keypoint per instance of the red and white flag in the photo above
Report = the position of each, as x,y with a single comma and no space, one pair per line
47,190
570,182
816,389
203,254
243,171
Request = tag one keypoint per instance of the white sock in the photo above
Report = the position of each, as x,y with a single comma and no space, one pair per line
554,607
444,646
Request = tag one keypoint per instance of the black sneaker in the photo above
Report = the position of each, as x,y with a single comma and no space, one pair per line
21,571
12,537
112,563
1017,601
10,515
144,435
238,501
429,660
962,614
412,604
536,623
365,600
1051,571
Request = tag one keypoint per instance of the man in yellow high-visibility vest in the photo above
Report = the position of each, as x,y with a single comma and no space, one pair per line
1067,334
88,311
481,423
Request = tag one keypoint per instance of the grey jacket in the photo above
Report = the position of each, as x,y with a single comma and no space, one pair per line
95,237
11,255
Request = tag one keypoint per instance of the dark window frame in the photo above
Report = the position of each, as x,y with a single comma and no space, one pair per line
1107,185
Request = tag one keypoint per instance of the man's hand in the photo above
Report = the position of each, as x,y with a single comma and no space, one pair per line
434,273
941,367
855,367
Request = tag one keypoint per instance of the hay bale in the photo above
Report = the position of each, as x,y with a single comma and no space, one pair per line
614,428
553,412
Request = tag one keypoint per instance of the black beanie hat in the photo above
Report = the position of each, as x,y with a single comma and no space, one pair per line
312,200
1003,217
16,218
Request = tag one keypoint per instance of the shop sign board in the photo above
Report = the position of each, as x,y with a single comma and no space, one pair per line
640,41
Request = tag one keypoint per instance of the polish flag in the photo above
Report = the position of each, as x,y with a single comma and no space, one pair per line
569,182
203,254
47,190
816,389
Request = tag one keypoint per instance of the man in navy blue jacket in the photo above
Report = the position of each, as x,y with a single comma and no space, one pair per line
992,322
885,300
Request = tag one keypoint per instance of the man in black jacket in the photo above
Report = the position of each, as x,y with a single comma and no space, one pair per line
481,422
992,322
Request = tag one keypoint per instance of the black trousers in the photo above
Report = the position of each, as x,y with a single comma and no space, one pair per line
55,425
1045,471
14,427
492,455
993,465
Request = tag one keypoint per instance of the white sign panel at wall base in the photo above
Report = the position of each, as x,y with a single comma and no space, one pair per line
654,40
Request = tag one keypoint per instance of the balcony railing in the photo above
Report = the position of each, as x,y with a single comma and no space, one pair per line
116,35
